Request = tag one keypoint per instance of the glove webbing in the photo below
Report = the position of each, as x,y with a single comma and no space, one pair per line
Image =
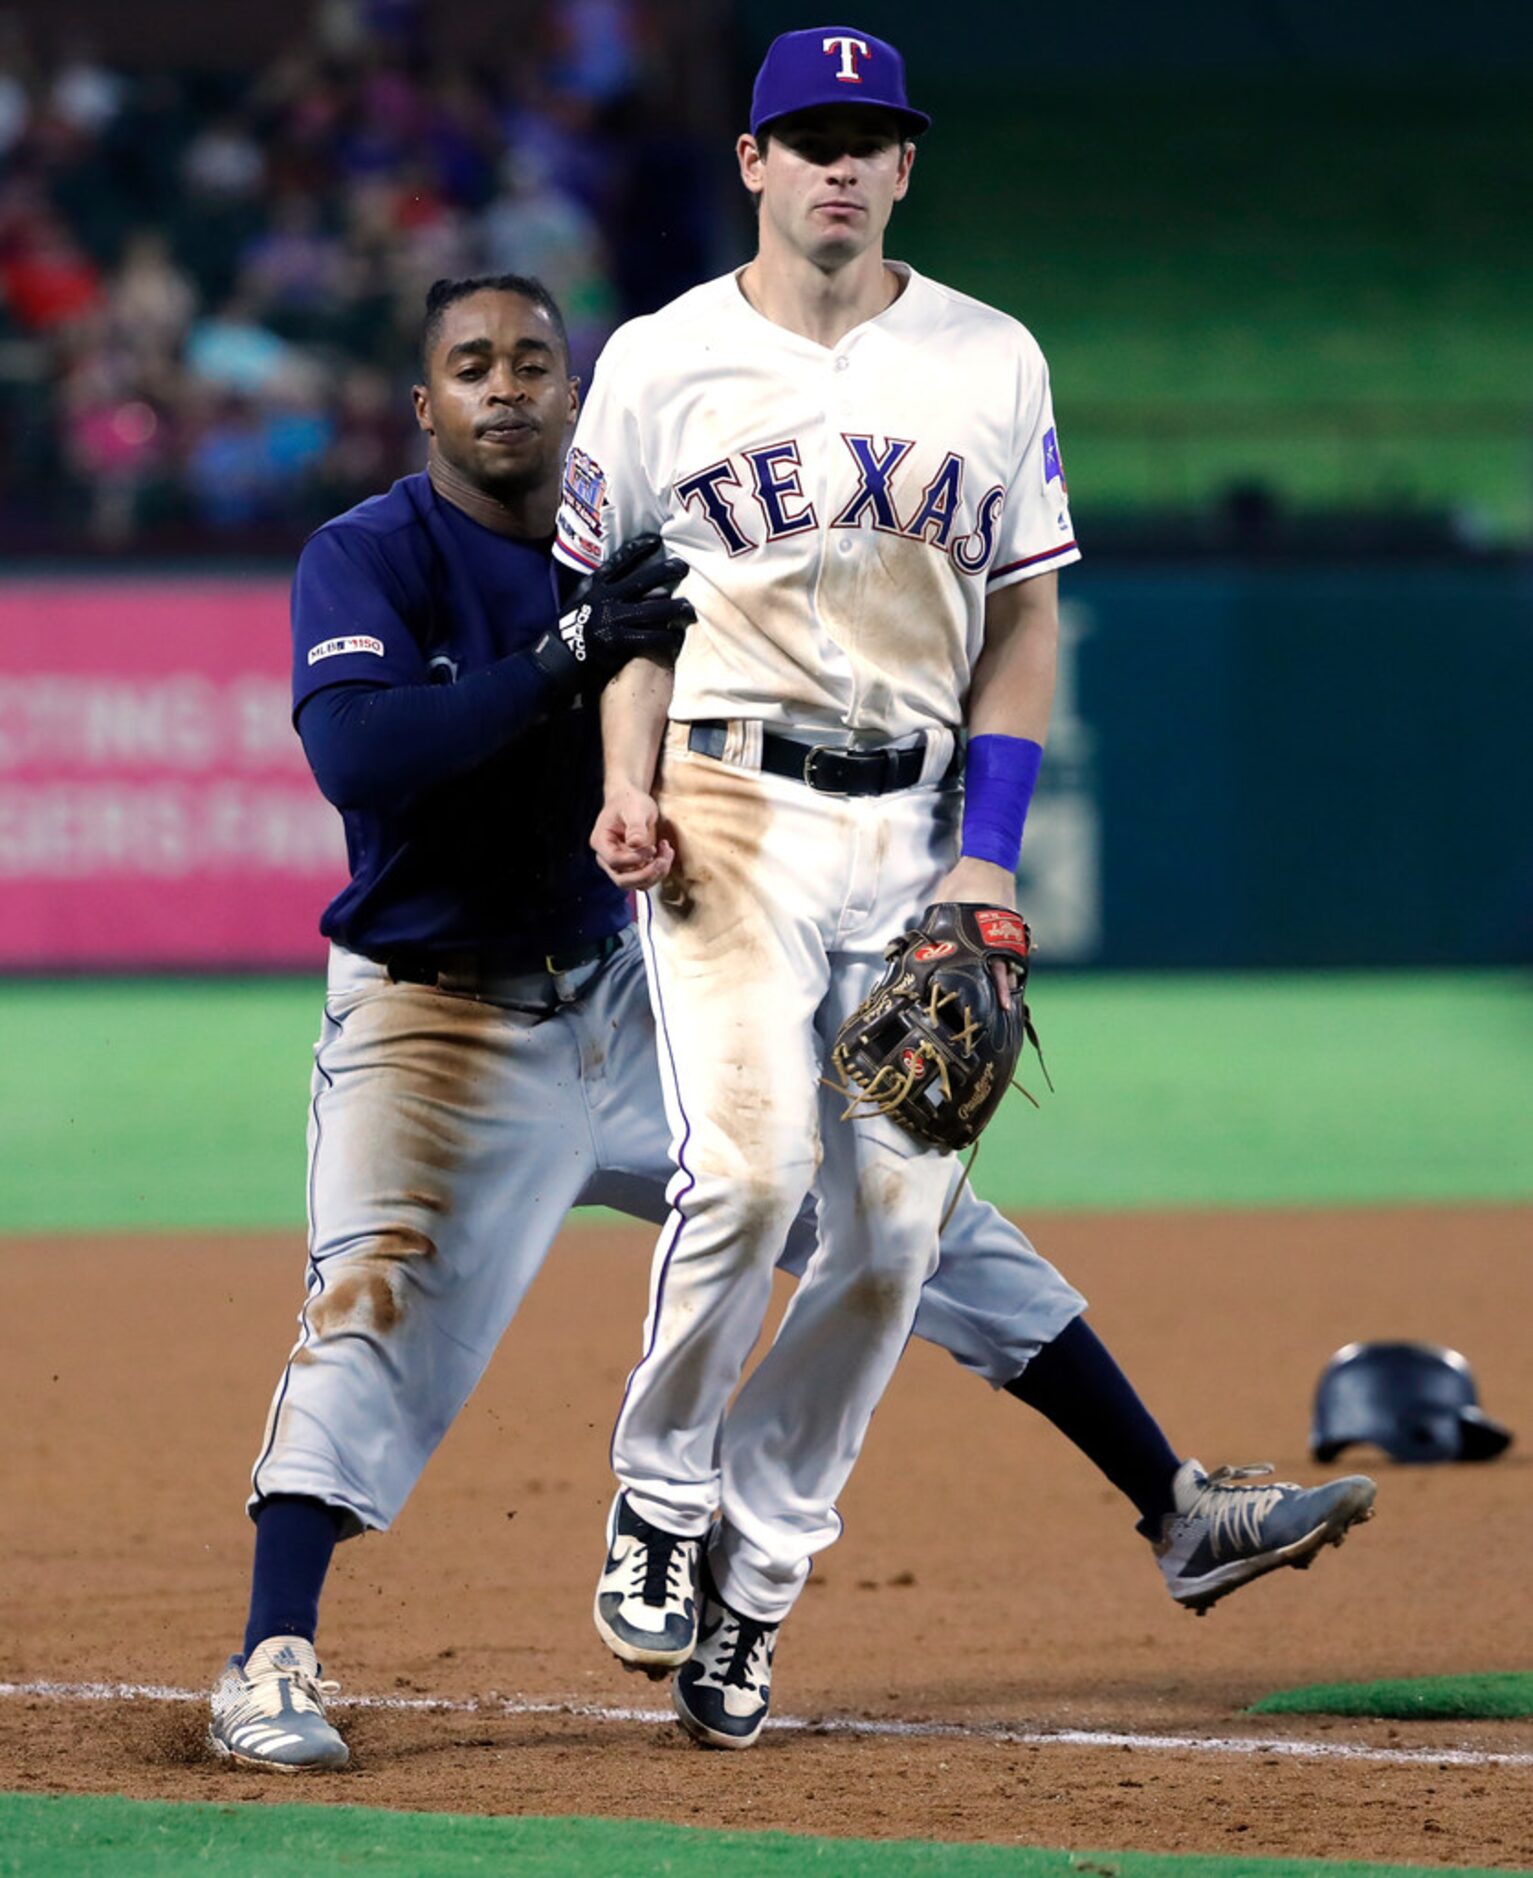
890,1086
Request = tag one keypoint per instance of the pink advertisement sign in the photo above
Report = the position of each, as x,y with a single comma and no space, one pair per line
155,807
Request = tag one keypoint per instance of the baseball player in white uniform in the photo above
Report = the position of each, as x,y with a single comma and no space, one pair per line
861,469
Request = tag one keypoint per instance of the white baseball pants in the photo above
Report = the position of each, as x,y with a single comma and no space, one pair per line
448,1139
768,934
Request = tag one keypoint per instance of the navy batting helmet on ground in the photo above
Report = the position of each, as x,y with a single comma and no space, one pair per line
1416,1401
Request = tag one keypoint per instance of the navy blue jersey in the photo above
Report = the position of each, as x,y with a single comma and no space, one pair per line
405,590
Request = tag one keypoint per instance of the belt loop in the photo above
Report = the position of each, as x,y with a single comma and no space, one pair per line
940,744
742,742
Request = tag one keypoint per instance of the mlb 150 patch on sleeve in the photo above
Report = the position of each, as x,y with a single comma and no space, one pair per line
585,487
353,642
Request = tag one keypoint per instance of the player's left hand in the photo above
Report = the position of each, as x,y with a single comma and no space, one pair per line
982,883
933,1045
627,841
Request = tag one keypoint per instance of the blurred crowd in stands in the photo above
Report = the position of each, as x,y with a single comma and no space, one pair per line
211,285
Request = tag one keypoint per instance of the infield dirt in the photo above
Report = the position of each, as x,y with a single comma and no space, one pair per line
987,1577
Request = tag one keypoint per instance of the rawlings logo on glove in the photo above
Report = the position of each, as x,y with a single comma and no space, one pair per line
938,949
1006,932
932,1046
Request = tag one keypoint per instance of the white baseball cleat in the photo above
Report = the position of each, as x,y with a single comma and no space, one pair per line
722,1695
646,1597
1224,1532
269,1711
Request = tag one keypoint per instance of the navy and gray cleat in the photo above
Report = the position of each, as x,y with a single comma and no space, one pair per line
646,1597
1224,1531
269,1710
722,1695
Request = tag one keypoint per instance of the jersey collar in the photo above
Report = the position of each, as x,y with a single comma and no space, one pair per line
892,317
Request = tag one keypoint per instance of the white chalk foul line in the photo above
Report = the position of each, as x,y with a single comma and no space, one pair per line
832,1725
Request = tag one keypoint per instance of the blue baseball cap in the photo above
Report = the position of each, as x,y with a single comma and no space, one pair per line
831,65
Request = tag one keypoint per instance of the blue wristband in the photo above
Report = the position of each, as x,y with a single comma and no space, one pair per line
999,775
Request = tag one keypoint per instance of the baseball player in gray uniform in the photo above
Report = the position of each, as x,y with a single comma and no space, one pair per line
486,1056
861,469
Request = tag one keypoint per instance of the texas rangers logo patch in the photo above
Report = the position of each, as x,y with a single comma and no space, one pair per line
585,488
1053,466
1006,931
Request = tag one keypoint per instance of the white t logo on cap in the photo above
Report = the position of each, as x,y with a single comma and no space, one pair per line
849,49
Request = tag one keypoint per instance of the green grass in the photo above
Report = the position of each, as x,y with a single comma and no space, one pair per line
154,1102
1502,1697
182,1103
1247,1090
150,1839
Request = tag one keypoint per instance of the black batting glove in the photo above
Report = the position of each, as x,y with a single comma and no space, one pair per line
627,609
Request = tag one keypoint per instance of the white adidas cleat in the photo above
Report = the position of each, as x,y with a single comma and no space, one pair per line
268,1710
1225,1532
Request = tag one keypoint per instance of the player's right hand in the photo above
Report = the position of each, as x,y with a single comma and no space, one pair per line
627,609
627,841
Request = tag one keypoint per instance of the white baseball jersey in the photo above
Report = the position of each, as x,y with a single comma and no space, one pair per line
844,510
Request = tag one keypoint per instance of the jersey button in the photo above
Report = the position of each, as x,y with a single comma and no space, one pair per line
846,544
841,362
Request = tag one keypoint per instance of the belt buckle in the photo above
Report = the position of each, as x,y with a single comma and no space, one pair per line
824,789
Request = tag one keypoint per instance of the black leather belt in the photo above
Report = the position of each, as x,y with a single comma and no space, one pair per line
471,971
822,766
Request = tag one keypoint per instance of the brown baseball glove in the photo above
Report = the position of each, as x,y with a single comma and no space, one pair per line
931,1045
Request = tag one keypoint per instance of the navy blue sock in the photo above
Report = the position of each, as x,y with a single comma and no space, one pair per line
1077,1385
294,1540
